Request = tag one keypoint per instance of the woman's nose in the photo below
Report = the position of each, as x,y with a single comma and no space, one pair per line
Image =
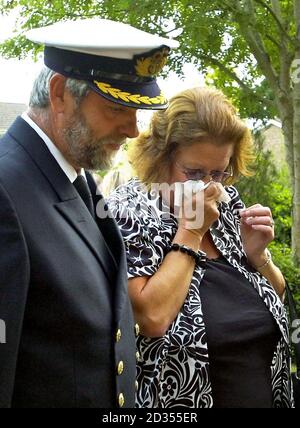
207,179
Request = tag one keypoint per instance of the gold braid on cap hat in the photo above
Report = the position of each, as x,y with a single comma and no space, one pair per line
116,93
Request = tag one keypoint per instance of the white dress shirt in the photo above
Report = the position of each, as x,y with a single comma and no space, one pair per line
68,169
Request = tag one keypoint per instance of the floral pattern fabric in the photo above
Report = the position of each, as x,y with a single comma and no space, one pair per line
173,371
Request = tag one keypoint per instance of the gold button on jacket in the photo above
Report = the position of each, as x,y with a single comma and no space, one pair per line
120,368
118,335
121,400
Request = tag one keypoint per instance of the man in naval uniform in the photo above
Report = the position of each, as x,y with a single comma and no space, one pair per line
70,334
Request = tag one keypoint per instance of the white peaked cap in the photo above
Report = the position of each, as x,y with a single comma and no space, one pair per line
99,37
118,61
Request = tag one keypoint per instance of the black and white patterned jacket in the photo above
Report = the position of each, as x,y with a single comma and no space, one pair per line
181,356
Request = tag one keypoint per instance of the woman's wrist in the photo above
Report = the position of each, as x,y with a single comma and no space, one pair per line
271,272
198,256
261,262
190,238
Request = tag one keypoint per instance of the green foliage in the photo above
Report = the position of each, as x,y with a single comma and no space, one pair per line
282,256
269,187
212,37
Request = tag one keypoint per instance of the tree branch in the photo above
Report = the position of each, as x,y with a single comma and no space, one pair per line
274,13
224,68
228,5
297,18
271,38
234,76
246,19
286,57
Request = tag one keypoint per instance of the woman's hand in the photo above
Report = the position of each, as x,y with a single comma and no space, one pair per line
257,231
204,210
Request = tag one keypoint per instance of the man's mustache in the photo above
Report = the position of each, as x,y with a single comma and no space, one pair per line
118,141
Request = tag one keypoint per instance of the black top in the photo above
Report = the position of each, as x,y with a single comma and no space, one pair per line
241,336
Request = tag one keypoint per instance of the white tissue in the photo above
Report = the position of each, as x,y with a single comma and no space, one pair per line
190,187
187,190
224,197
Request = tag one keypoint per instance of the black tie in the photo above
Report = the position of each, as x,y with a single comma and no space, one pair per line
85,193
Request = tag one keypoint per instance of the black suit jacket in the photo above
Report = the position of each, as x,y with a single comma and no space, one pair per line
63,288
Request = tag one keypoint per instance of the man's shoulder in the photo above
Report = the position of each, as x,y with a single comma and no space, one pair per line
17,137
17,169
11,153
7,144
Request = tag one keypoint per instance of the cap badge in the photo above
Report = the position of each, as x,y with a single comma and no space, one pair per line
151,65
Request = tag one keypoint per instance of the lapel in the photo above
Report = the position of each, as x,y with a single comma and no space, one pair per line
110,230
104,220
71,206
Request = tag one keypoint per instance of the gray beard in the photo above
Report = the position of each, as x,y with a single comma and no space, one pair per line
84,149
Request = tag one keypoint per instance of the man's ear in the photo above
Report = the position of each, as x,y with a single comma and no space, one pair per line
57,93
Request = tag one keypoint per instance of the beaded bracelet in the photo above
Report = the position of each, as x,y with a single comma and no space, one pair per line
199,257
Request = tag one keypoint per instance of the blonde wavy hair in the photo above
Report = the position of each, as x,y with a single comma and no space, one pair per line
193,116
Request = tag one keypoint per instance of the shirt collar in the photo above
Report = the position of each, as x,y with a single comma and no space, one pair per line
68,169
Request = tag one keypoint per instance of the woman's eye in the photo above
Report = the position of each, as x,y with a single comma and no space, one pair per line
194,174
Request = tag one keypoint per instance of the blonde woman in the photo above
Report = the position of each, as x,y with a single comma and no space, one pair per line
208,299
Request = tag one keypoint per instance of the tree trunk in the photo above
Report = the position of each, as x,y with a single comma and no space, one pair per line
296,200
286,117
296,145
